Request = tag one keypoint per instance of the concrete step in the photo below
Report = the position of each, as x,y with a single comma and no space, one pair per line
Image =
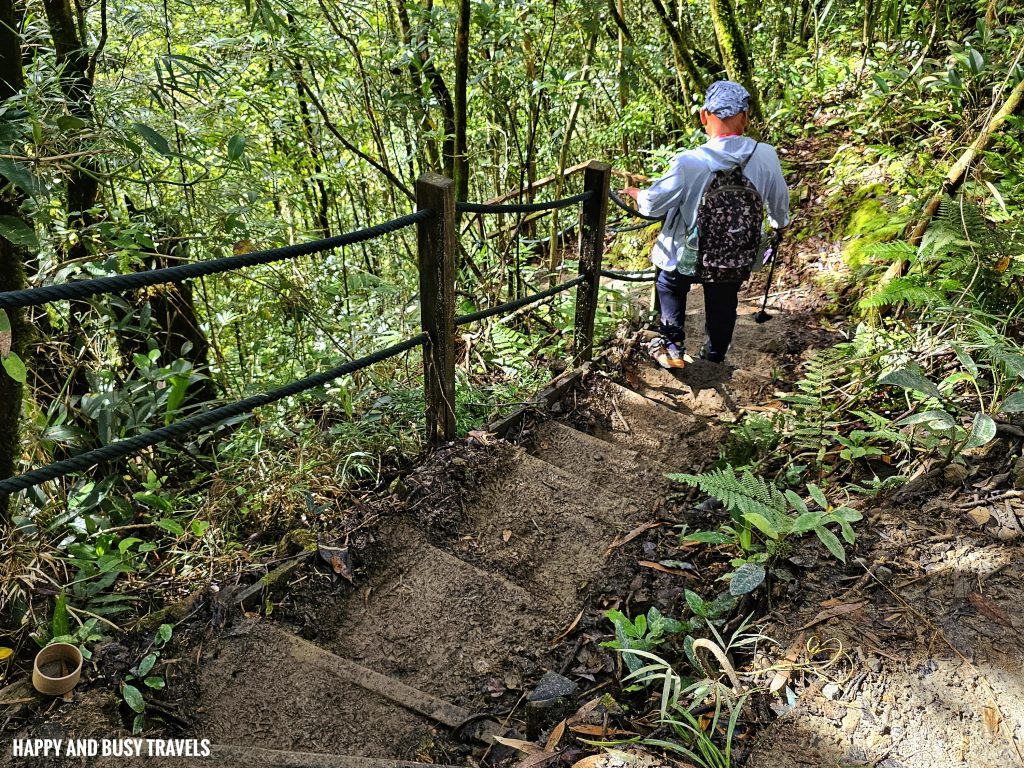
666,435
544,528
613,468
437,622
250,757
264,688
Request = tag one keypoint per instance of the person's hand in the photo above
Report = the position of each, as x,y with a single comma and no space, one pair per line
630,192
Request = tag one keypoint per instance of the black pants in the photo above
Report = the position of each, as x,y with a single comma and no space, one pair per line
720,302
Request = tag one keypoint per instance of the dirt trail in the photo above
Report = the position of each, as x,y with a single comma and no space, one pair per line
497,566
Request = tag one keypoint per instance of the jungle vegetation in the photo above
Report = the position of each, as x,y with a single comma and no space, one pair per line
135,135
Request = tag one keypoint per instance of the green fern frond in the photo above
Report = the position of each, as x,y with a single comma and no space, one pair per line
904,290
744,494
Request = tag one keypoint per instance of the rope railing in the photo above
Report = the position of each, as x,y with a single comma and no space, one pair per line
138,443
554,205
632,227
630,210
511,306
630,277
134,280
437,259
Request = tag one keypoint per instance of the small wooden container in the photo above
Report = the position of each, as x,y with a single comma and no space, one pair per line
57,669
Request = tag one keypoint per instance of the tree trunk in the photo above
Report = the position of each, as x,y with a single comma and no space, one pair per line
735,56
690,78
955,178
12,273
82,182
461,160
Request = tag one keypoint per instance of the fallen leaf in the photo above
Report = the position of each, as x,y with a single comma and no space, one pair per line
528,747
586,709
992,720
663,569
990,609
539,760
831,613
339,560
5,652
980,515
783,675
506,535
481,437
618,541
556,736
568,629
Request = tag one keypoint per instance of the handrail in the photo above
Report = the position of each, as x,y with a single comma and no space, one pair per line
435,221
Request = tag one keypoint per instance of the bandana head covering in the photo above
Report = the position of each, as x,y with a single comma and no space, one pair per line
725,98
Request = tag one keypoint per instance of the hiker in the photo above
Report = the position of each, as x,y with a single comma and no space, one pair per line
712,199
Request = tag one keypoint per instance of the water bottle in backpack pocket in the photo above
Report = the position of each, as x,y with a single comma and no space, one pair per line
728,225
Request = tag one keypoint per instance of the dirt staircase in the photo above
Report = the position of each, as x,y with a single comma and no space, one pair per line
497,553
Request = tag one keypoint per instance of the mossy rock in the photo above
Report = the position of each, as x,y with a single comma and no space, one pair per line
295,541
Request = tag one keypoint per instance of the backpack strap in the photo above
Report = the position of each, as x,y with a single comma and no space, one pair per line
743,165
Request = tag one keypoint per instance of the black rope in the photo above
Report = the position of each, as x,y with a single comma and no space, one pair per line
137,443
631,211
115,283
565,202
632,227
509,306
630,277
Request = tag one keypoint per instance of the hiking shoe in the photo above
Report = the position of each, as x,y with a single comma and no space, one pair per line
711,358
667,354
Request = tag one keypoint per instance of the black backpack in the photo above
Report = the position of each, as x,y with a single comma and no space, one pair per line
728,225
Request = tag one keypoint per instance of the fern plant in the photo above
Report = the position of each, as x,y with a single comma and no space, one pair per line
765,519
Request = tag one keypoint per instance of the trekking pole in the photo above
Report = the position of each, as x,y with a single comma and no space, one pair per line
763,316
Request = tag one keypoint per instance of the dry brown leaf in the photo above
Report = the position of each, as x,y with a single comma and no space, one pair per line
831,613
664,568
990,609
5,343
506,535
556,736
539,760
594,761
783,675
980,515
339,560
481,436
992,719
618,541
567,630
528,747
585,710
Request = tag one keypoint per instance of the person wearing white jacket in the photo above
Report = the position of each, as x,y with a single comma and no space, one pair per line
677,196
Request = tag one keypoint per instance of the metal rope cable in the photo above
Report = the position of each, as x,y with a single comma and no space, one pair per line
483,314
630,277
631,211
84,288
565,202
137,443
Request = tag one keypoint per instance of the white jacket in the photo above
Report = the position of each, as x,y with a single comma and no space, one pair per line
677,194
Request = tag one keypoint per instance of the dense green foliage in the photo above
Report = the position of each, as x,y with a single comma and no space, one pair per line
136,135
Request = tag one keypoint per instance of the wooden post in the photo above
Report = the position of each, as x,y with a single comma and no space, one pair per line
436,245
596,178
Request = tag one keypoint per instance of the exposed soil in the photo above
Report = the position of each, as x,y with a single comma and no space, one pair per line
494,565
